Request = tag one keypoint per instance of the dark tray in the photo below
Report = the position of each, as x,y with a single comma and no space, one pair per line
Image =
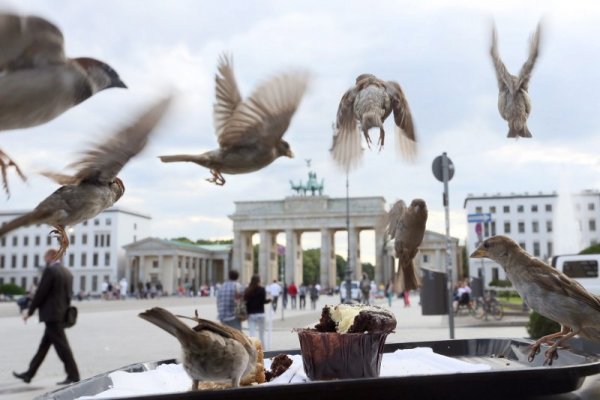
511,376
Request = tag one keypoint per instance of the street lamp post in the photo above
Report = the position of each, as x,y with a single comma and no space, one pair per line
348,276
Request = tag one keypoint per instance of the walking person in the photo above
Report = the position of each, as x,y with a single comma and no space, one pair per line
389,292
228,294
52,298
365,288
274,290
314,296
255,297
302,295
293,292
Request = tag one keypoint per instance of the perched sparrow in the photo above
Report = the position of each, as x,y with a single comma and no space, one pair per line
211,351
370,102
95,186
513,101
407,227
37,81
547,291
249,132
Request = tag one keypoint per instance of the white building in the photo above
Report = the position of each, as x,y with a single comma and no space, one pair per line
94,255
543,224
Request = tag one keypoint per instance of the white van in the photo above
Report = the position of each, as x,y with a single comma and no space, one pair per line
584,268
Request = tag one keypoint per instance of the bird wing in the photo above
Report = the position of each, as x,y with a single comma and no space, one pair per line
405,130
220,329
27,42
266,114
394,218
103,162
549,278
227,93
527,68
504,78
346,149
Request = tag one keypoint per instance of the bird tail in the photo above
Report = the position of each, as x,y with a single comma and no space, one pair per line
198,159
166,321
406,277
24,220
515,132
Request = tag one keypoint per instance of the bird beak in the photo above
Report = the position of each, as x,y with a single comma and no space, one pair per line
117,83
289,154
479,253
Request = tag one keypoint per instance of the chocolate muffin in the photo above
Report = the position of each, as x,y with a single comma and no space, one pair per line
346,343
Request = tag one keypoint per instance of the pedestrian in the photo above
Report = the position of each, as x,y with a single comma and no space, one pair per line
123,284
293,292
52,298
314,296
104,289
302,295
255,297
365,288
389,292
227,296
274,290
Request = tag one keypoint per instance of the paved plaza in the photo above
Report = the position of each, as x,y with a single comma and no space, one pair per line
109,335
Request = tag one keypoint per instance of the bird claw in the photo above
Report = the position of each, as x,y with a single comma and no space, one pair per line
535,349
550,354
217,178
5,163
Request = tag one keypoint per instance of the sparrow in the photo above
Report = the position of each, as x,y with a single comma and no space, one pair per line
37,81
547,291
407,227
210,351
95,186
513,100
249,131
370,101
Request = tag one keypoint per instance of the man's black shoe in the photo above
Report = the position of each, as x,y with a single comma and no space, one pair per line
67,381
23,376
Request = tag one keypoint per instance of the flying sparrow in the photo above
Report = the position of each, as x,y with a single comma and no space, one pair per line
407,227
37,81
513,100
95,186
249,131
370,101
547,291
211,351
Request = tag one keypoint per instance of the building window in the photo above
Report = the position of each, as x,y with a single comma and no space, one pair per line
592,224
3,241
96,240
535,226
108,240
36,260
108,221
134,238
478,209
549,207
2,261
82,283
85,223
96,222
507,227
15,240
425,258
84,239
72,239
37,240
101,240
24,282
534,208
48,240
536,249
25,260
94,283
493,227
591,206
71,260
521,227
493,209
95,259
135,226
486,230
83,259
25,240
549,249
520,208
13,261
107,259
549,226
154,264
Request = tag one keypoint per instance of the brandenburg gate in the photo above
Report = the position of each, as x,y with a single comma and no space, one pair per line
295,215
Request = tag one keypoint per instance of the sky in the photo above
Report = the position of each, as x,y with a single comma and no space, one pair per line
438,51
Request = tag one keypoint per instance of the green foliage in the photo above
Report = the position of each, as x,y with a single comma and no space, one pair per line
311,262
219,241
182,239
465,261
10,289
539,326
593,249
368,269
501,283
340,268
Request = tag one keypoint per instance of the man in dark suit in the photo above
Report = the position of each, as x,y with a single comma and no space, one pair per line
52,298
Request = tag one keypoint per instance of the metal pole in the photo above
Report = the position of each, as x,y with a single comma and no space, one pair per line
282,274
445,175
348,265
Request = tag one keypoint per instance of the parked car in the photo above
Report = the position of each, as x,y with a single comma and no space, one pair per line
354,291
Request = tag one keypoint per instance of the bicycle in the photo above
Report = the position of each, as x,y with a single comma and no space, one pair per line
488,305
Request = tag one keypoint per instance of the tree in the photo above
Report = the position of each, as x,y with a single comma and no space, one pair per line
368,269
311,263
593,249
183,239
